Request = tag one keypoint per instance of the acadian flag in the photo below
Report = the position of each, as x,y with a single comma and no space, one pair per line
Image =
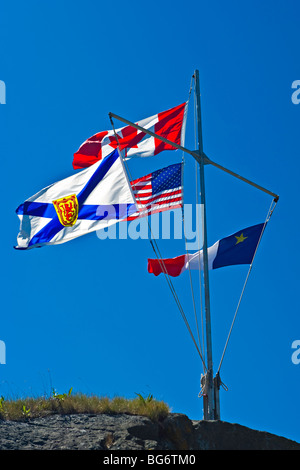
168,124
238,248
92,199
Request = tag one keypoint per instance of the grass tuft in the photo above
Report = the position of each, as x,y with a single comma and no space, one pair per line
64,404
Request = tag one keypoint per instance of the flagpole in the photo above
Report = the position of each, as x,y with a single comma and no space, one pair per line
209,406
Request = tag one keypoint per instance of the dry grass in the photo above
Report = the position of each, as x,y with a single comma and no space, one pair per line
30,408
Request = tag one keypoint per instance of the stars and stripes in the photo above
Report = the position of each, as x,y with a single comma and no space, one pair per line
159,191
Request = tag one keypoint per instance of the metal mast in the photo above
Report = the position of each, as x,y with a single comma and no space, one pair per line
209,406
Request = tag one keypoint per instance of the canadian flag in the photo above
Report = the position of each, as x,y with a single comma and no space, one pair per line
168,124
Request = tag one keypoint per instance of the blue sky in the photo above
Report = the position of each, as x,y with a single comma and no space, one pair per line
87,314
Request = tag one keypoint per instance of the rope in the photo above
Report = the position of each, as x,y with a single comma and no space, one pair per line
171,286
192,289
186,249
270,212
185,240
204,386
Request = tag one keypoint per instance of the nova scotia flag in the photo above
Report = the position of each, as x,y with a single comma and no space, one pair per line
92,199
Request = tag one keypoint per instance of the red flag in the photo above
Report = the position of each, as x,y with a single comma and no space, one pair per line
171,266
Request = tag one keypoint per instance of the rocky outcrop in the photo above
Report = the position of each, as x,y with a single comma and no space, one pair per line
129,432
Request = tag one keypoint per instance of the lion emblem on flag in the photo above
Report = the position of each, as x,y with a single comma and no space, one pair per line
67,210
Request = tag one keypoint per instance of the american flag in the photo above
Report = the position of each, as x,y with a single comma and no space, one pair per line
159,191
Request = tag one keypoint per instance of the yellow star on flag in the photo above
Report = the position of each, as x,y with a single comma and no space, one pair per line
240,239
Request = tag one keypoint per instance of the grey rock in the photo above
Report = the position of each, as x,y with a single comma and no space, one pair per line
128,432
221,435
